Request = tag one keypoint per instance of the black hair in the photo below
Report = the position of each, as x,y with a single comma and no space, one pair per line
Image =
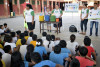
85,4
75,63
83,51
7,48
1,26
16,59
72,38
44,34
45,66
0,55
87,41
23,41
63,44
31,34
57,49
34,37
53,37
36,57
48,38
96,3
26,33
29,5
41,42
30,49
21,35
7,38
5,24
13,34
18,32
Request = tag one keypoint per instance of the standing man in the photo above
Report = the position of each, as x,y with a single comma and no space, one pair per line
95,12
84,19
29,17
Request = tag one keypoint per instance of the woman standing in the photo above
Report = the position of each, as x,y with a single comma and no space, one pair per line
29,17
84,18
58,13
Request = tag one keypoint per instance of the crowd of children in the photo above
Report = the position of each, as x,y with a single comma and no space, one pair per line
23,49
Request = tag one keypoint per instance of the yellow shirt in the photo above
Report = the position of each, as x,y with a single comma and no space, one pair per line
18,42
33,43
1,46
3,63
26,37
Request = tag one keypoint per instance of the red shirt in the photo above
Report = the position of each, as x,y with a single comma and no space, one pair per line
90,50
84,61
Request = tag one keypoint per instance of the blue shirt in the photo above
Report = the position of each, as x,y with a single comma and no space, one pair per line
65,50
41,50
58,58
26,63
46,62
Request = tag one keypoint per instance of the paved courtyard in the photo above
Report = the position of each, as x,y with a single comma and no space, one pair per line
17,23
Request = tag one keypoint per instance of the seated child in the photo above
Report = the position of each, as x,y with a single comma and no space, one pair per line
44,34
18,34
57,57
36,59
14,38
57,41
6,29
6,57
72,45
84,59
34,38
23,47
30,38
26,35
2,32
75,63
40,48
63,47
91,51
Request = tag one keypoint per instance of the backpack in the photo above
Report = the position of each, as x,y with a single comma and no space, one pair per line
72,28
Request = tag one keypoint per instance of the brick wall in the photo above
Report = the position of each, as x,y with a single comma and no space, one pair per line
2,11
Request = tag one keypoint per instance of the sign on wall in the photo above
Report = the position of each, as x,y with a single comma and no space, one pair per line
71,7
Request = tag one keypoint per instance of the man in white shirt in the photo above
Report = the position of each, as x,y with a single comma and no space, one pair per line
94,11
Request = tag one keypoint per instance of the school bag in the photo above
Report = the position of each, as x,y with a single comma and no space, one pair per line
72,28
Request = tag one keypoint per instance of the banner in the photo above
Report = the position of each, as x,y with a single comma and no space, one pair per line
94,15
71,7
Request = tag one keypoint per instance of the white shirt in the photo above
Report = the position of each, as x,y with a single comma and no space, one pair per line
2,51
57,13
51,45
23,51
57,42
1,31
29,40
84,13
43,38
47,13
13,45
6,57
14,39
72,46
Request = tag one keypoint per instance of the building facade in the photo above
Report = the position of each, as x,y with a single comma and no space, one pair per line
7,6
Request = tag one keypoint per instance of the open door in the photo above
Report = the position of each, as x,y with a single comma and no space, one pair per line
10,6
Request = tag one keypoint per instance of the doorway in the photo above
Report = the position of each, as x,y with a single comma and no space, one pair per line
10,6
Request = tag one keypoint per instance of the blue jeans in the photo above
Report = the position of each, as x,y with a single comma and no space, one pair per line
96,27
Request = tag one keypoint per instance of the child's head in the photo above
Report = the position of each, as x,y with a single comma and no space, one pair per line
7,49
16,59
75,63
87,41
8,38
18,32
21,35
57,49
48,38
63,44
31,34
35,57
13,34
39,42
83,51
30,49
44,34
53,37
34,37
47,9
5,25
85,5
26,33
23,41
72,38
1,26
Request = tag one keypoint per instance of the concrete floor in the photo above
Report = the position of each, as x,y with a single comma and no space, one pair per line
17,23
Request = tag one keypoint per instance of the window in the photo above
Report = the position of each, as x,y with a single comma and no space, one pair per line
1,1
38,3
45,2
33,2
16,2
22,1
